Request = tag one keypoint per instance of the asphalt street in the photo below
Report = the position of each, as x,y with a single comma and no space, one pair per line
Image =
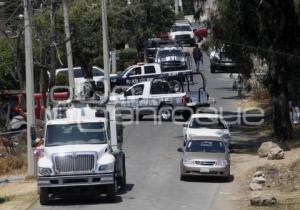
153,166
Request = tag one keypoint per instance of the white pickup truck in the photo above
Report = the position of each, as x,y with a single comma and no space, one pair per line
146,72
157,98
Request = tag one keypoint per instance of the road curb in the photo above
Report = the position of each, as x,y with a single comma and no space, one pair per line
32,203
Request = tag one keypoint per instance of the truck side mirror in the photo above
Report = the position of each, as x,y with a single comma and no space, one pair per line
127,93
33,136
185,125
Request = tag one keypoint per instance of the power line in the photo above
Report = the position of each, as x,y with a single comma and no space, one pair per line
12,15
269,51
8,6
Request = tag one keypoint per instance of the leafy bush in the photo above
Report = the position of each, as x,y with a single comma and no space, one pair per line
12,163
127,57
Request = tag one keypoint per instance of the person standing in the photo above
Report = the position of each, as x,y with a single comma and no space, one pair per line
197,54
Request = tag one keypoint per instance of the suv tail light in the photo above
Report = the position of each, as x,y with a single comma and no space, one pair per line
185,99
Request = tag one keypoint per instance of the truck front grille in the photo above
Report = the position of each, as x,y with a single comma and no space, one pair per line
67,163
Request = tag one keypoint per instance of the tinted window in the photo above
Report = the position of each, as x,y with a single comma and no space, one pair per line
74,134
160,87
149,70
63,73
166,53
181,28
78,73
136,90
97,73
135,71
212,123
205,146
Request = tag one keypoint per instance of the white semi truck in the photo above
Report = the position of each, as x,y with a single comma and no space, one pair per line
82,151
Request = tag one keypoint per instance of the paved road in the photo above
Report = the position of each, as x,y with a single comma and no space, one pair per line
153,166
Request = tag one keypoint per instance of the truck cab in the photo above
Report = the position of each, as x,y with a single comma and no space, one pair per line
157,97
147,72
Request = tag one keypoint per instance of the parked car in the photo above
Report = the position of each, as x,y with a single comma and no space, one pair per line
146,72
173,59
157,97
79,74
200,33
210,125
220,62
205,156
14,108
201,30
182,33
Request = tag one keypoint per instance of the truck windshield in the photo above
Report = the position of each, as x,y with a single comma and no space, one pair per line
166,53
181,28
74,134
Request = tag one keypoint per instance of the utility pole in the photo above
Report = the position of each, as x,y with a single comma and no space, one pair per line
105,39
176,7
29,85
68,45
53,41
114,61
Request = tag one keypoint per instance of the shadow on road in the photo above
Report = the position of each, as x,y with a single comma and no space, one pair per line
87,198
82,200
129,187
209,179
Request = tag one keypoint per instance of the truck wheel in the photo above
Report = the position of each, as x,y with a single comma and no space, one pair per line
212,69
186,116
111,192
165,113
44,196
182,177
122,181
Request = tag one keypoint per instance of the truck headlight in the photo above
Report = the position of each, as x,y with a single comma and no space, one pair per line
222,163
45,171
188,162
106,168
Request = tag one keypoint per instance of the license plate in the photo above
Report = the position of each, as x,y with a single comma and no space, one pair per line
204,170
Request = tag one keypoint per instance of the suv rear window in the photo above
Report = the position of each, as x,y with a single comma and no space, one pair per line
149,70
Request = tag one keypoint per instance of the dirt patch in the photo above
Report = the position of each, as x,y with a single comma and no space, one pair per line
283,180
13,164
18,195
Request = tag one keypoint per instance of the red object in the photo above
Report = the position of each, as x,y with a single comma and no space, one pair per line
185,99
17,99
164,35
201,32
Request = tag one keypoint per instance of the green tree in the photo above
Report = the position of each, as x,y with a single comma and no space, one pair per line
268,29
6,63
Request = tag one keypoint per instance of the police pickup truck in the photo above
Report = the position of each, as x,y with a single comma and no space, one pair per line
156,98
146,72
